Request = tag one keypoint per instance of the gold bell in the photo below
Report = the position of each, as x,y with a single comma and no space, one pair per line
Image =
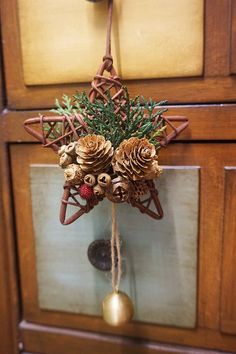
117,308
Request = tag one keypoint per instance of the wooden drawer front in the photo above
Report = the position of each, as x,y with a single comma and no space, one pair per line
52,287
71,52
181,54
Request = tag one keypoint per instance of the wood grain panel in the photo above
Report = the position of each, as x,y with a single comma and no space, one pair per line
48,340
179,90
9,305
170,47
228,300
6,323
233,38
206,122
8,291
217,37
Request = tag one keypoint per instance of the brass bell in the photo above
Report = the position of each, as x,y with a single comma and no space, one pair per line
117,308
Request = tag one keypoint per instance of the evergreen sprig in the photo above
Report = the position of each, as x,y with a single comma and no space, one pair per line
142,117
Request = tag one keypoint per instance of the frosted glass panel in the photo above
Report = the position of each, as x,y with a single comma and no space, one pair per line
159,257
65,40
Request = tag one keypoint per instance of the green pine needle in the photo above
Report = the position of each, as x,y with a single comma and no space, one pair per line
144,119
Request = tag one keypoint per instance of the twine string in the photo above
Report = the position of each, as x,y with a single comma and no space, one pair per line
116,269
108,55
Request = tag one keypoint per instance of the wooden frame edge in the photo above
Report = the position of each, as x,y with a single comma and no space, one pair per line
102,342
9,301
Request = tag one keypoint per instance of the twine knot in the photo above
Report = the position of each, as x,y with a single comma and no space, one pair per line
108,61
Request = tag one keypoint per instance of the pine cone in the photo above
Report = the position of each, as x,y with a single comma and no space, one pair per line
94,154
136,159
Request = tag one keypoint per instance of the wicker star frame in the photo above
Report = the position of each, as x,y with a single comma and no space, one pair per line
55,131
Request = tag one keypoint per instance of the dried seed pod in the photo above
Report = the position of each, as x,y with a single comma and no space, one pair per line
104,180
90,180
98,191
65,160
70,148
61,150
73,174
120,190
140,188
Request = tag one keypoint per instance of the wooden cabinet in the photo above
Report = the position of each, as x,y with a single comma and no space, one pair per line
47,286
207,54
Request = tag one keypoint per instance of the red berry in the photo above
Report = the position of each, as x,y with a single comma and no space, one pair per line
86,192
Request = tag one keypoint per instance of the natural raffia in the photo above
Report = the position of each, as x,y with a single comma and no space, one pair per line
116,267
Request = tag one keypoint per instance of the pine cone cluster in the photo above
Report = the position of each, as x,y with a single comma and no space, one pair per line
120,175
136,159
94,154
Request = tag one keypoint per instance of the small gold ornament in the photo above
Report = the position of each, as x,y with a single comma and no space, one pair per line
90,180
117,308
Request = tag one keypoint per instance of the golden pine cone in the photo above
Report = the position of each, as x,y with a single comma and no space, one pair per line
136,159
94,154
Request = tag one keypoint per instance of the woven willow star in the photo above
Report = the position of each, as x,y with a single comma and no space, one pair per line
55,131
